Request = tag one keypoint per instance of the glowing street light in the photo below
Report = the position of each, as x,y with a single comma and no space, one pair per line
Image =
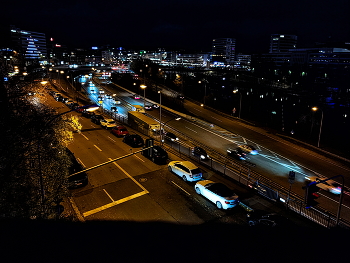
240,102
144,94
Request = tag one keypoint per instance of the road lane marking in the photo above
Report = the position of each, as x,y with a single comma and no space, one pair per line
138,158
181,188
98,148
128,175
191,129
108,195
109,205
84,136
111,139
78,159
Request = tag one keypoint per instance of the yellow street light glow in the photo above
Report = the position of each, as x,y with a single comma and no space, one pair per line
143,86
314,108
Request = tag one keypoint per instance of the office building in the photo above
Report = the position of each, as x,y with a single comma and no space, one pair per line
31,45
223,50
282,43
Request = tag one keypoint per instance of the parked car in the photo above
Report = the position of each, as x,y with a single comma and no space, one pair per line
329,186
157,154
108,123
96,118
87,114
248,149
263,219
218,193
134,140
186,170
236,153
78,180
155,106
181,97
119,131
200,152
171,136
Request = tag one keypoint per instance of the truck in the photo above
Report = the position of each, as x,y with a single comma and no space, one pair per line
137,120
138,108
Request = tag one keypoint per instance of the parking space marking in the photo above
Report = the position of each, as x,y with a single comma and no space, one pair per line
138,158
98,148
109,205
108,195
78,159
111,139
128,175
181,188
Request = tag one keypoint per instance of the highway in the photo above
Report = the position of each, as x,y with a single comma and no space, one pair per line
136,189
276,156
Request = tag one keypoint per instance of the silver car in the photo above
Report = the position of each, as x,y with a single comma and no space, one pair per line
186,170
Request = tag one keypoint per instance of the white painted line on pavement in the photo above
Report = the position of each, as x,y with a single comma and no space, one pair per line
111,139
138,158
128,175
108,195
81,162
84,136
98,148
181,188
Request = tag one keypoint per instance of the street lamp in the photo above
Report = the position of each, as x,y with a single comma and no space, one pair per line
240,102
160,109
319,134
144,94
161,132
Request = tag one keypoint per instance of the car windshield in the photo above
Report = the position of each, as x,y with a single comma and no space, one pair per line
122,130
221,190
196,171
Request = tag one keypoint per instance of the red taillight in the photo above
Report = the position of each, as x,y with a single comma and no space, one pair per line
227,202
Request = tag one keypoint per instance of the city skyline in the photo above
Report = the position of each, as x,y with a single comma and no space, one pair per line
188,25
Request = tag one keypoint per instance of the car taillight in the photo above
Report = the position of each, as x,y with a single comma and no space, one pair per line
191,175
227,202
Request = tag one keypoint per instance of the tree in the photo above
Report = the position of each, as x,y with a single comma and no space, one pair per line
33,159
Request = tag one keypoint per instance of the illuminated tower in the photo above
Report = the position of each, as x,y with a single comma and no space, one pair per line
223,50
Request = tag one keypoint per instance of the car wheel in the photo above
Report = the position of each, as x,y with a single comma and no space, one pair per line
218,205
169,168
184,178
198,190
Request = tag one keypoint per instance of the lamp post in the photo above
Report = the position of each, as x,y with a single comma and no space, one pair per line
144,94
161,133
240,102
319,134
160,111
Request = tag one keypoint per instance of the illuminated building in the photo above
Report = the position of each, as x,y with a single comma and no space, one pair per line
282,43
223,50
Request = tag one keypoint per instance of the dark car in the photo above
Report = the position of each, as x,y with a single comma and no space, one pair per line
180,97
171,136
236,153
157,154
87,114
119,131
200,152
263,219
96,118
134,140
77,180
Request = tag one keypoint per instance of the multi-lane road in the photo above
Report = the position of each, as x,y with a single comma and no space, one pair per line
276,156
136,189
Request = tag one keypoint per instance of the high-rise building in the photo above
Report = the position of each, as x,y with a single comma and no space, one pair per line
31,45
223,50
282,43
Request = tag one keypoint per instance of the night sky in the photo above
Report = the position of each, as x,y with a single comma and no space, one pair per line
188,24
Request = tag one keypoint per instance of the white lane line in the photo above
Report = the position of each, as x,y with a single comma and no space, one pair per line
181,188
81,162
108,195
111,139
128,175
84,136
191,129
138,158
98,148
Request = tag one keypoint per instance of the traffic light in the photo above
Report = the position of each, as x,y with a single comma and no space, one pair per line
311,195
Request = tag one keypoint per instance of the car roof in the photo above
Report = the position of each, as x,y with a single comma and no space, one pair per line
188,164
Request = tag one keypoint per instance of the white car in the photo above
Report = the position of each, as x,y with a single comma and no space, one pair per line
330,185
108,123
218,193
186,170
